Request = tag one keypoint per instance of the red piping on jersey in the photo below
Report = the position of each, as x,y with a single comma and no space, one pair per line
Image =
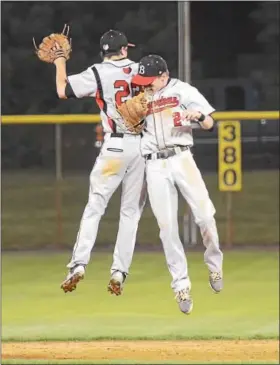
99,98
99,101
111,123
101,104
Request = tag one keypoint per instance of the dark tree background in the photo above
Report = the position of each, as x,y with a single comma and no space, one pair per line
220,33
28,84
220,30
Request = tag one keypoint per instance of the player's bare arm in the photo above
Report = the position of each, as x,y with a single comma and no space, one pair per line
61,77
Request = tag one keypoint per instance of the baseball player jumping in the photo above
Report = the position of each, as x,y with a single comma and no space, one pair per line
174,107
119,161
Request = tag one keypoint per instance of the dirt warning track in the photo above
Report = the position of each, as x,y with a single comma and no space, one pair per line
224,350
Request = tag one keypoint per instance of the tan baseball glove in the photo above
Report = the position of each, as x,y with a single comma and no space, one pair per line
133,112
54,46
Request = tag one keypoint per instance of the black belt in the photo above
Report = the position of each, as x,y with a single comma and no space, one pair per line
116,135
121,135
166,153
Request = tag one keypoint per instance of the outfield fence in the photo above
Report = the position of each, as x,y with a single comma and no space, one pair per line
46,160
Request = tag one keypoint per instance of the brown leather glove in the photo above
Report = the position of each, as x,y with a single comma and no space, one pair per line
133,112
54,46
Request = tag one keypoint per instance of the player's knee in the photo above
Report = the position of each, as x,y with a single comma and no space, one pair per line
205,220
96,206
130,211
167,231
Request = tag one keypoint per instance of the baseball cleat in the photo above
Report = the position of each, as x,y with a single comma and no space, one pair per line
75,274
115,285
216,281
184,300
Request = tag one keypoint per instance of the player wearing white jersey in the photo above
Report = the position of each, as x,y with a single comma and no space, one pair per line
174,108
119,161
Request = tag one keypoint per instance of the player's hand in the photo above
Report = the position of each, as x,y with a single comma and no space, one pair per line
191,115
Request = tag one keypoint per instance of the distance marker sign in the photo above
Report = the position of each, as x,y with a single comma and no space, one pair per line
230,170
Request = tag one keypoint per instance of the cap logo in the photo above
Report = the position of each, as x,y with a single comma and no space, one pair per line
141,69
106,47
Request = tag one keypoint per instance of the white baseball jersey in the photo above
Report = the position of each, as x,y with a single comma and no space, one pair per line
165,128
164,125
110,83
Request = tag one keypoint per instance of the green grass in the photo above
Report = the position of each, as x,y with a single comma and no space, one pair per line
35,308
29,215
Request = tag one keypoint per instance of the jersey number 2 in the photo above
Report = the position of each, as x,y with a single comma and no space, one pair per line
123,91
177,119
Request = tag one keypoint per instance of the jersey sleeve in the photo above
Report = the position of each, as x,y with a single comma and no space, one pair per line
135,88
193,99
135,67
83,84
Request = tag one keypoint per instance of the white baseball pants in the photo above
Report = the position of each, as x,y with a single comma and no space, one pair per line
119,161
162,176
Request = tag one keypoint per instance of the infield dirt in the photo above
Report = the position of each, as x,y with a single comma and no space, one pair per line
224,350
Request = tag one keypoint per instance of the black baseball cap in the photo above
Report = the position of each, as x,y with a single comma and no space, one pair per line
113,41
150,67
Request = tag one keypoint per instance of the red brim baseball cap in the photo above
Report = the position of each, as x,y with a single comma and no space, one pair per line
150,67
142,80
130,45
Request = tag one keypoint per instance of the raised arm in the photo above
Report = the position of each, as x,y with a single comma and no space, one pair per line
61,77
78,86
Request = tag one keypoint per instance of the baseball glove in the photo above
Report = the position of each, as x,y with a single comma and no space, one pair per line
54,46
133,112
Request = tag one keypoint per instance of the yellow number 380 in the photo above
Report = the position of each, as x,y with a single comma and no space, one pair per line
230,171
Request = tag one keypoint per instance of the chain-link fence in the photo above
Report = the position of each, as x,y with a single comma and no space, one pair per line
40,208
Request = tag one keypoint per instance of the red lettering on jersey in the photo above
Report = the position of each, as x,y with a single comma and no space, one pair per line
127,70
161,104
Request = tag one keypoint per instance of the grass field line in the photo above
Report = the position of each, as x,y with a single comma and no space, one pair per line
141,338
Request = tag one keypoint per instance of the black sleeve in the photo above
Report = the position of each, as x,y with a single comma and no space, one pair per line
69,91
